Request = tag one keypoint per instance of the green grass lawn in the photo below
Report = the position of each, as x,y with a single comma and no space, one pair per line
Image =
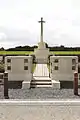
33,67
15,52
31,52
48,66
65,52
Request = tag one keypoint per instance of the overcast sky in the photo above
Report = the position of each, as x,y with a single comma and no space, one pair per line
19,22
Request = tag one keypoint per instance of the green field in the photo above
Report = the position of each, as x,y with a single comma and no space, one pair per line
15,52
33,68
31,52
65,52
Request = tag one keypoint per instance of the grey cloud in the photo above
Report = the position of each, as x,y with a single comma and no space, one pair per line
24,37
14,35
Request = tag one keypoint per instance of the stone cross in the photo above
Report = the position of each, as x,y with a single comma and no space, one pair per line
41,28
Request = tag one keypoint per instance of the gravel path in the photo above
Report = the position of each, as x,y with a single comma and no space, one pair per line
39,93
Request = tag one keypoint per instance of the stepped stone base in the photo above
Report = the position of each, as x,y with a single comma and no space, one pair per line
44,82
43,86
55,84
25,84
41,82
41,53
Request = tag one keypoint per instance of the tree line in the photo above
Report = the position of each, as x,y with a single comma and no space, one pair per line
31,48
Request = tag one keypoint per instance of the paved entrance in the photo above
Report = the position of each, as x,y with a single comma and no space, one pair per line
41,70
41,76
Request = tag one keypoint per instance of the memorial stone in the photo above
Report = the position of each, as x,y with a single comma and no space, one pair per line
41,52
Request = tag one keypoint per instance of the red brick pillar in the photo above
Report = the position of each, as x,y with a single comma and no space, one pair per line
75,83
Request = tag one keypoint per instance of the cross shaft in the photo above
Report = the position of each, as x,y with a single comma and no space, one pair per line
41,28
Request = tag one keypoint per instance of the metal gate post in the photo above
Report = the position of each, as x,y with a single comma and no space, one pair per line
6,85
75,83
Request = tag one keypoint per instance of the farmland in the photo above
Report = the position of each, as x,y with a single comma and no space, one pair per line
65,52
15,52
31,52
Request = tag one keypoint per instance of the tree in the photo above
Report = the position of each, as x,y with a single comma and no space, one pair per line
2,49
46,45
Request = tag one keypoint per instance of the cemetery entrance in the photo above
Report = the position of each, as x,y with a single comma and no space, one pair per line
41,76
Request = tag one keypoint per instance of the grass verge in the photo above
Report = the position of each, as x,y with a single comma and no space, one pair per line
33,67
48,66
31,52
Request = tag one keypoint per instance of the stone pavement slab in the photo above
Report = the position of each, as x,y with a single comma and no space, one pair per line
36,110
41,70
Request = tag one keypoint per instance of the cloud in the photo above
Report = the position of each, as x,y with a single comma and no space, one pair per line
19,22
13,37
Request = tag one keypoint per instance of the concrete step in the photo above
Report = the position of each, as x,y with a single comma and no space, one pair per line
41,78
41,82
55,84
41,86
44,82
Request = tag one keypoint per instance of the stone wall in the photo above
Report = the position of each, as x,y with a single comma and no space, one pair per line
62,68
19,68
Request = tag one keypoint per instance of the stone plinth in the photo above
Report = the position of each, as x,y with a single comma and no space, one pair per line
55,84
41,53
25,84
